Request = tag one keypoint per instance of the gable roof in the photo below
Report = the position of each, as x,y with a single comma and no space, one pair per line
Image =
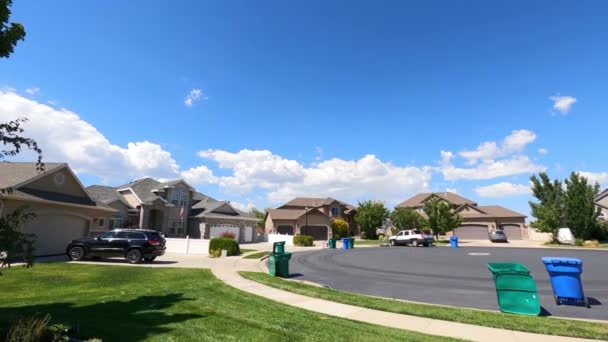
290,214
14,174
498,211
601,195
210,209
311,202
419,199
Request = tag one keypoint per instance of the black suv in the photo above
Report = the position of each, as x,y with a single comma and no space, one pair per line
132,244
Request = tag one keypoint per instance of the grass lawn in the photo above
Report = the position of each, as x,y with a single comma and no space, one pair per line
552,244
121,303
258,255
542,325
359,242
247,250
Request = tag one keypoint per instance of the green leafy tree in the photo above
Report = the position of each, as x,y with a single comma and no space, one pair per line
260,215
370,215
580,211
339,228
10,33
14,244
407,218
441,218
548,210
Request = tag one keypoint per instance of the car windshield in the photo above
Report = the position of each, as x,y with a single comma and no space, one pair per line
499,232
417,232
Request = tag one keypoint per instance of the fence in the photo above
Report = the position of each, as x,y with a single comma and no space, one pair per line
187,246
535,235
281,237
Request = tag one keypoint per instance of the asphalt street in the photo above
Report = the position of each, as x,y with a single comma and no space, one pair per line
442,275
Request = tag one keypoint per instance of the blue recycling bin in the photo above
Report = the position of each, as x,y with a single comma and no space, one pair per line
454,241
565,275
345,242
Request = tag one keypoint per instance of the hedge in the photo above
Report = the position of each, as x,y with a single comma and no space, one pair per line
303,240
224,244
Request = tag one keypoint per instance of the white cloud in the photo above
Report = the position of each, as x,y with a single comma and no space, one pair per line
562,104
32,91
452,190
246,207
593,177
194,95
503,189
349,180
489,150
199,175
65,137
543,151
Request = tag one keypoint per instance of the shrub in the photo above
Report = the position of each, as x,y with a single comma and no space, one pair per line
303,240
228,235
579,242
221,243
215,253
37,329
339,228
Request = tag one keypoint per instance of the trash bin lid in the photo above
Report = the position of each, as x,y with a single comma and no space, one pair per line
556,260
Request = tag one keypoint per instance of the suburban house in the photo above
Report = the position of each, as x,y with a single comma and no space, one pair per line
174,208
477,220
602,203
63,208
309,216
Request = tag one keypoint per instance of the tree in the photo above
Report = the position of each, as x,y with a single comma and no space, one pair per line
370,215
580,211
441,218
10,135
339,228
10,33
260,215
14,243
407,218
548,211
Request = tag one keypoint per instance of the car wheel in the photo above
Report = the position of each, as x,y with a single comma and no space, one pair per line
392,242
415,243
149,259
134,256
76,253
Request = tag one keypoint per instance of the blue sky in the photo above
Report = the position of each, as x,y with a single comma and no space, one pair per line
351,99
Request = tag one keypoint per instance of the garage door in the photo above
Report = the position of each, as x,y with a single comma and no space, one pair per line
472,232
317,232
55,231
285,230
512,230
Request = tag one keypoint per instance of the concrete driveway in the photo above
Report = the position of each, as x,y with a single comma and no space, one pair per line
448,276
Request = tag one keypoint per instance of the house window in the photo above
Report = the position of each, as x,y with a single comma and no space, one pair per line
177,228
335,211
179,197
116,222
102,222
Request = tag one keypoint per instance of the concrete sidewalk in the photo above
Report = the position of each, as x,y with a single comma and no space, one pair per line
383,318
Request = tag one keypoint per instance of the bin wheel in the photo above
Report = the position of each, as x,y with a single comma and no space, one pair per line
557,302
587,303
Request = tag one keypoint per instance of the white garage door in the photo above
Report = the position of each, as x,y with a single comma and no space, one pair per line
472,232
55,231
512,230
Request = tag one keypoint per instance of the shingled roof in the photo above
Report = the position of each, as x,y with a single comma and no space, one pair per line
419,199
313,202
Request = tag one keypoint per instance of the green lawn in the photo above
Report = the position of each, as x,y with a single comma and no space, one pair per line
121,303
247,250
258,255
542,325
359,242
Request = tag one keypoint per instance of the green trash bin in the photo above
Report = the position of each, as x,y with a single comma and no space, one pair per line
351,242
278,247
332,243
283,265
272,265
515,288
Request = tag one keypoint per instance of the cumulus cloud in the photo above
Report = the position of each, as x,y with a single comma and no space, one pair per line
194,95
513,143
199,175
246,207
350,180
32,91
543,151
504,189
563,104
593,177
64,136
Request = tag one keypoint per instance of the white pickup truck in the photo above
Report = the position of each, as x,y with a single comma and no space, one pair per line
412,237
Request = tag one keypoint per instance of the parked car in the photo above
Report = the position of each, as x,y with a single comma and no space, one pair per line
134,245
497,235
413,237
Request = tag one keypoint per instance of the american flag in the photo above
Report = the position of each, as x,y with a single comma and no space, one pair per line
181,213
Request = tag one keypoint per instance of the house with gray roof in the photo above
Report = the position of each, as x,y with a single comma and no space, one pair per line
63,209
477,220
174,208
601,201
309,216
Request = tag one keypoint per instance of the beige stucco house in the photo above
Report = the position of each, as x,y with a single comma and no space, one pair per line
174,208
309,216
64,210
477,220
602,203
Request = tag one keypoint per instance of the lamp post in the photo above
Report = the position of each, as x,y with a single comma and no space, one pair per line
306,216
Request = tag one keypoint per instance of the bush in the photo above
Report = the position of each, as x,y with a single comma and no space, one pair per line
37,329
339,228
303,240
221,243
228,235
579,242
